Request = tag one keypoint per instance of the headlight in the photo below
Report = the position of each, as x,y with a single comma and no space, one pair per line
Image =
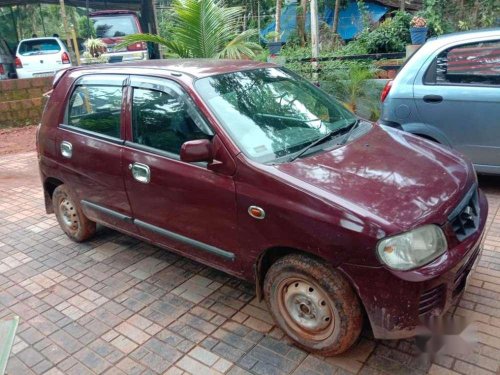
412,249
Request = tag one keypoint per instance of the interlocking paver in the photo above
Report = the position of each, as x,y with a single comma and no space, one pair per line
116,305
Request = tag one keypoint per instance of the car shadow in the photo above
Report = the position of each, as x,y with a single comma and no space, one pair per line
489,183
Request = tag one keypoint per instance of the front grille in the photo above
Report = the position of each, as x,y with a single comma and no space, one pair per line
432,299
465,217
462,273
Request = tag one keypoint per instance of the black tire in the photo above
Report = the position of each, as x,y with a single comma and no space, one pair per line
70,215
313,304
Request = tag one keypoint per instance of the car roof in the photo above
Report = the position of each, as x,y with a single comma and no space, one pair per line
195,68
39,38
111,12
464,35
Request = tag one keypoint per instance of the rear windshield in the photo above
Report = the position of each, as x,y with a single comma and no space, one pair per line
115,26
39,47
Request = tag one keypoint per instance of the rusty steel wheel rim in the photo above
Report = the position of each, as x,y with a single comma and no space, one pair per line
306,308
68,214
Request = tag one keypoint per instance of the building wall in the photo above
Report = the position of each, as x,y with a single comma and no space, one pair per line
21,101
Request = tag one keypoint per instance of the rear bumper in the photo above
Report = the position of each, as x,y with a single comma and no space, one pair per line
26,73
127,56
397,303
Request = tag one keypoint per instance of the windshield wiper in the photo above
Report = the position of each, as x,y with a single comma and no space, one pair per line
326,137
353,126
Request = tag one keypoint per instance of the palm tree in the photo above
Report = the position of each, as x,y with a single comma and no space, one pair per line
204,29
350,86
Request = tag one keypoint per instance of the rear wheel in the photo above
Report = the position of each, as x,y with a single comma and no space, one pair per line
313,304
70,216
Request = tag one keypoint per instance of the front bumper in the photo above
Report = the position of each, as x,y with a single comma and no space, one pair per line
398,302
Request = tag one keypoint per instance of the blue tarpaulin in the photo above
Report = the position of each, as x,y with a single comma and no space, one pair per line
350,22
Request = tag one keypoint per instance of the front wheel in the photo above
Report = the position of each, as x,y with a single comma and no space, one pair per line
70,216
313,304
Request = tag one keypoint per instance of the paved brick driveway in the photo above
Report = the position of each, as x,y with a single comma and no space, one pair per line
119,306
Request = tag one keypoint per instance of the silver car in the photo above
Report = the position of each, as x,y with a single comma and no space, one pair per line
449,92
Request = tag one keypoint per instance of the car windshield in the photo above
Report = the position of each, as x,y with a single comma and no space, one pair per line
272,113
39,47
114,26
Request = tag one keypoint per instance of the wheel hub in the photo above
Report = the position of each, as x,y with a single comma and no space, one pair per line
307,306
68,214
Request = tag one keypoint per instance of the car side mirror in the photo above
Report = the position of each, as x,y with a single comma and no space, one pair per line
198,150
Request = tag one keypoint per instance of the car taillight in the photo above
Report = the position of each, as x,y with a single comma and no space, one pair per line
139,46
2,70
65,58
386,90
18,63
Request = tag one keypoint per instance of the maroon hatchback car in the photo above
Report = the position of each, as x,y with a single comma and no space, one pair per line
251,169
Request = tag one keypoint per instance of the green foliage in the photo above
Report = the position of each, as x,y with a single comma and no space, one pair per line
40,19
435,13
204,29
85,28
446,16
392,35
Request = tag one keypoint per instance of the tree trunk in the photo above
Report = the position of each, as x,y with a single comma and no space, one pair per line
402,5
277,27
301,22
33,19
258,17
65,24
335,25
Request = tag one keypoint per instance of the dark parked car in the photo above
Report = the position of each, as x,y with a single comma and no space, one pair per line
248,168
449,92
7,69
111,26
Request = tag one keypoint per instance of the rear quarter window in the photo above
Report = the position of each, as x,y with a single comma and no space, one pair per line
96,108
467,64
39,47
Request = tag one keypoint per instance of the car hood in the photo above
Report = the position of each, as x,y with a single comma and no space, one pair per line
400,180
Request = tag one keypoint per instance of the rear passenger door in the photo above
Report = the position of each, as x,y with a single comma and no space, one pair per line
90,149
459,93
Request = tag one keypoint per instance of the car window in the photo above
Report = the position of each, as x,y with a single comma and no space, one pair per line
470,64
115,26
39,47
97,109
164,120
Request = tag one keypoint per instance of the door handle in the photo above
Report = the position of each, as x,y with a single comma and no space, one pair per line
433,98
140,172
66,149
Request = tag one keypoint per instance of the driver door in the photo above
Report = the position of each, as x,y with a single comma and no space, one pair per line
183,206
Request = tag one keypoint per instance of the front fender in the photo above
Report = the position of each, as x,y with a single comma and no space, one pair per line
428,131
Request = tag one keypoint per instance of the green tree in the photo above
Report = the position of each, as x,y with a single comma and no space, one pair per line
204,29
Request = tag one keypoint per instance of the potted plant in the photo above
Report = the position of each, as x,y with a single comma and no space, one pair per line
274,42
94,48
418,30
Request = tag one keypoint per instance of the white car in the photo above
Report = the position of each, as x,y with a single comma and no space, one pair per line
41,57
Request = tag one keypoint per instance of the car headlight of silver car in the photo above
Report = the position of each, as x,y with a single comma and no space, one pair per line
412,249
